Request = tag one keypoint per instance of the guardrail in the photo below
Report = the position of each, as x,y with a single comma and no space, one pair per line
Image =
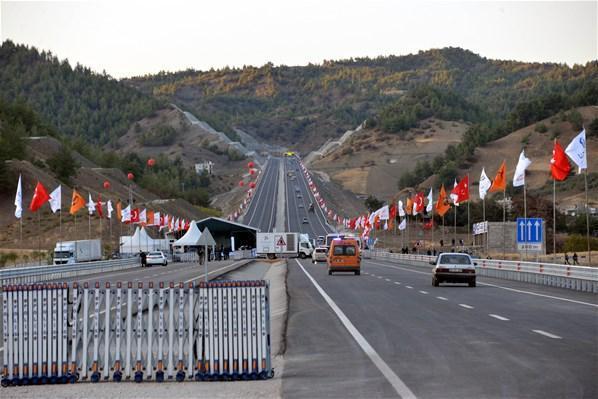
56,333
579,278
36,274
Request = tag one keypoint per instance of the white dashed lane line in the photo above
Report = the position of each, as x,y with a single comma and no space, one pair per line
397,283
408,286
387,279
465,306
442,298
424,292
498,317
547,334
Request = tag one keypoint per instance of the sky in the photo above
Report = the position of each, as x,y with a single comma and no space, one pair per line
130,38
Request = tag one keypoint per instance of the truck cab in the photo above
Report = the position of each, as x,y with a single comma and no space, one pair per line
64,254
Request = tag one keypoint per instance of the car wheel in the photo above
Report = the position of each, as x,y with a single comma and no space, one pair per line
435,282
357,272
472,283
330,272
302,255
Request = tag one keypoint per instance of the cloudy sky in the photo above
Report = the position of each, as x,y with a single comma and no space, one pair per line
127,38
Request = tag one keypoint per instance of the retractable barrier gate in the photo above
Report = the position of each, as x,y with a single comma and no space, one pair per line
56,333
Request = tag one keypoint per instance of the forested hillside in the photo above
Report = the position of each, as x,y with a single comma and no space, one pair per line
77,101
304,106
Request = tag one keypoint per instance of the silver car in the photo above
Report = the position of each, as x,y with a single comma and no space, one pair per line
319,254
452,267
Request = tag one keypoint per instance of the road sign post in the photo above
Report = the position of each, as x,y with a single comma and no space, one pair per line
206,240
530,235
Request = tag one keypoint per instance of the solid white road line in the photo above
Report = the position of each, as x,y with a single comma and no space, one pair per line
423,292
497,286
465,306
212,272
390,375
547,334
408,286
442,298
498,317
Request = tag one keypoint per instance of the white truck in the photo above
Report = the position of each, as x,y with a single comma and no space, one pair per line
69,252
273,245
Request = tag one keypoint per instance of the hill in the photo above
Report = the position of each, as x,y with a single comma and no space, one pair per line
303,107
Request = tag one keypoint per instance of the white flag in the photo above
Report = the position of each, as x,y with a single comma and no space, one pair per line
91,206
430,205
403,224
454,197
109,208
383,213
19,200
485,184
401,209
125,215
522,165
143,216
56,199
577,150
156,219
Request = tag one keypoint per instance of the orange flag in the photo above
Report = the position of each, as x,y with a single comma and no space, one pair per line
77,202
500,180
442,205
409,206
149,218
119,211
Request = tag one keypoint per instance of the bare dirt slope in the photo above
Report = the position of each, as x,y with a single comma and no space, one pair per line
371,162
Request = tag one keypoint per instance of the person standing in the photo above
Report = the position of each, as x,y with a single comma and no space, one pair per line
566,258
143,257
575,258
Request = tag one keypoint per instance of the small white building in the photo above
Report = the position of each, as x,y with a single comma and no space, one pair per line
205,166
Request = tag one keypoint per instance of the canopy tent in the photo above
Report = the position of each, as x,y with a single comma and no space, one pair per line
141,241
190,239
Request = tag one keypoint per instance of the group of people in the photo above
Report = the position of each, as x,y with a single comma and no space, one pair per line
218,254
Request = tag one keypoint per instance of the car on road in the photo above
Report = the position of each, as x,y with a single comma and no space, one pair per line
319,254
300,205
156,258
344,256
305,221
453,267
299,196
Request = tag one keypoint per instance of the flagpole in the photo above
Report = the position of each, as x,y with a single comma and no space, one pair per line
455,228
442,232
504,219
525,214
587,218
468,226
89,226
432,225
39,237
484,220
554,219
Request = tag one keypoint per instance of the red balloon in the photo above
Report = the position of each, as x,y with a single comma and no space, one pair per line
252,185
130,176
151,162
251,171
250,165
241,183
106,184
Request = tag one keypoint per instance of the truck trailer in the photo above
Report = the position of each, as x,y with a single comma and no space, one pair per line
273,245
70,252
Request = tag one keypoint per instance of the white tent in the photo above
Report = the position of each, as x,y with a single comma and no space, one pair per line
141,241
191,238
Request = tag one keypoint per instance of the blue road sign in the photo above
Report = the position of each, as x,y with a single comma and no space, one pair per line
529,230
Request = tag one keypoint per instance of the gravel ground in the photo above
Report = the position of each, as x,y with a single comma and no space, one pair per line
272,388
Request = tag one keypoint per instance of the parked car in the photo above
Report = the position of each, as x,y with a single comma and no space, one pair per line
453,267
156,258
319,255
305,221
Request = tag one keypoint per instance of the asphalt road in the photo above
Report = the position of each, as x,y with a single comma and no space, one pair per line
262,208
445,342
298,199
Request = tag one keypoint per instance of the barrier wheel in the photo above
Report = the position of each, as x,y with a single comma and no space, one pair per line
235,376
73,378
139,377
34,381
95,377
159,376
263,375
253,376
4,382
180,376
117,377
63,379
43,380
25,381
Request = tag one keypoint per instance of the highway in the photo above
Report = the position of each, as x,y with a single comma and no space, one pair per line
262,208
389,333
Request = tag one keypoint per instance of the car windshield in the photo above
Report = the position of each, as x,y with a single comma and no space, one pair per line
321,250
455,260
346,250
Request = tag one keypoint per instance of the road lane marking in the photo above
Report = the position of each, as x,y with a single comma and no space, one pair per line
442,298
465,306
424,292
379,276
213,271
498,317
397,283
408,286
498,286
388,373
547,334
387,279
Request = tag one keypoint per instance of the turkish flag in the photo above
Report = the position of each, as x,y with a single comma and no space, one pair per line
419,202
461,190
392,213
559,164
135,215
40,197
99,206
